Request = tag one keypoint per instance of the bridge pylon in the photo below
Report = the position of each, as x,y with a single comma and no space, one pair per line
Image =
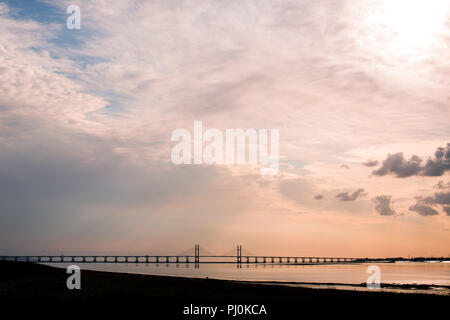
197,253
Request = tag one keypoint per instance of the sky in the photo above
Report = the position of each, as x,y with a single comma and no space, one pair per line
358,92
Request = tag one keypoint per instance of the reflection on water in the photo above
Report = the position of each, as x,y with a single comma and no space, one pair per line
394,273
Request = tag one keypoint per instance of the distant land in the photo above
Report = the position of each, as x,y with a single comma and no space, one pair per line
398,259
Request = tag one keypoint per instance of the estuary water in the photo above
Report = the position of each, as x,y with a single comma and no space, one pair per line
428,273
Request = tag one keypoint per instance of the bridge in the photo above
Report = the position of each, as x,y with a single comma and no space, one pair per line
238,258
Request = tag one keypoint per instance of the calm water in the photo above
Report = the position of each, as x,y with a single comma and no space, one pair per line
436,273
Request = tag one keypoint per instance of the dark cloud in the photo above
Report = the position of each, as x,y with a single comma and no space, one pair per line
439,198
442,198
423,210
441,163
370,163
396,164
400,167
345,166
447,210
92,195
347,196
383,205
318,197
442,185
427,206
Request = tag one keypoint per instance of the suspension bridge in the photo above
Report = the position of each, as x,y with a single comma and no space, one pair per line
196,258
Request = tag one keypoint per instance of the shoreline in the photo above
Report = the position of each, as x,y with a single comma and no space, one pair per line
408,288
429,289
23,283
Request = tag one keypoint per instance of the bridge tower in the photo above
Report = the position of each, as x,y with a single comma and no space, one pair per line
197,253
239,254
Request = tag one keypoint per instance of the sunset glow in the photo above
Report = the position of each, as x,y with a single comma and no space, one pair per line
355,92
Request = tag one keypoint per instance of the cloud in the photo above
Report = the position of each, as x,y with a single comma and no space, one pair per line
34,89
397,165
429,205
298,189
440,164
318,197
101,112
4,9
400,167
442,198
423,210
439,198
345,166
89,195
383,205
347,196
442,185
447,210
370,163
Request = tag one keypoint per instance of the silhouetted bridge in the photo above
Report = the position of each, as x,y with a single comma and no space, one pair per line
196,258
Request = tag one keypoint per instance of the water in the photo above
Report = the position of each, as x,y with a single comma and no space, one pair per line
429,273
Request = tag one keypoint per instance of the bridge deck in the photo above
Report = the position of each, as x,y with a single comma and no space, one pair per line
175,259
